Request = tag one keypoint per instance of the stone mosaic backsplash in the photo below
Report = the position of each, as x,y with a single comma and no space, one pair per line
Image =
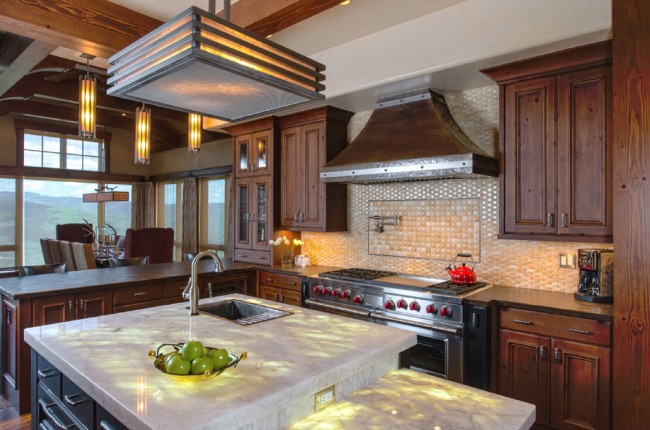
526,264
430,229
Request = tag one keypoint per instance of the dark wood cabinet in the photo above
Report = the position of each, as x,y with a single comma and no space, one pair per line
556,144
253,156
53,309
308,141
94,303
289,297
560,364
580,386
280,288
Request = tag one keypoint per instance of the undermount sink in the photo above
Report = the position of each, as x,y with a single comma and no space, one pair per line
240,312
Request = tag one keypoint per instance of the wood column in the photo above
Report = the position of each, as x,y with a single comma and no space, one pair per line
631,62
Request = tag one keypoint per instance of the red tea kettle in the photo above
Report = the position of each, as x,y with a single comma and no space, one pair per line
462,274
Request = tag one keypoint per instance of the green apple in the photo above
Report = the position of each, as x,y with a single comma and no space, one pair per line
206,351
202,365
192,350
179,366
172,355
220,358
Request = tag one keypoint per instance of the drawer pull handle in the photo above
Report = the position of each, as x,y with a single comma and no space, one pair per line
105,426
68,400
291,283
243,256
261,258
541,352
523,322
268,279
43,375
282,298
276,297
558,355
575,330
54,418
139,294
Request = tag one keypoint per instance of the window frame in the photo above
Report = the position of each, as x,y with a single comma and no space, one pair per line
203,213
160,213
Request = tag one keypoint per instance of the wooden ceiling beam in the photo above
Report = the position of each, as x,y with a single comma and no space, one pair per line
97,27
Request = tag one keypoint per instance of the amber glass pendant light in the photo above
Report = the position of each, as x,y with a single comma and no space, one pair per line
87,101
142,135
194,133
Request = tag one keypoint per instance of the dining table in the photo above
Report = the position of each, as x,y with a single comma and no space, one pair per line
103,260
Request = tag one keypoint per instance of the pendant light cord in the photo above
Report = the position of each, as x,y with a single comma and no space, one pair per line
212,8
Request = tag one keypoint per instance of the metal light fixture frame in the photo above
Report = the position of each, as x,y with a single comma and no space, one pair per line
142,135
197,47
195,124
87,101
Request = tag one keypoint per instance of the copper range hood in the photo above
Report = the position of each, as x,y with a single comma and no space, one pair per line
410,137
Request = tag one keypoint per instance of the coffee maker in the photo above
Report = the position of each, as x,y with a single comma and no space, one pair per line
596,275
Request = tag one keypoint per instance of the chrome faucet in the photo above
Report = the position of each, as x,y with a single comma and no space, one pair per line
191,292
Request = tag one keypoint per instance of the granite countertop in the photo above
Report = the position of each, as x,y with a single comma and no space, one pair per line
289,360
71,282
408,399
306,271
544,301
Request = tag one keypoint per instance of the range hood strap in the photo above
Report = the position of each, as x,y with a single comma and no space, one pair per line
455,331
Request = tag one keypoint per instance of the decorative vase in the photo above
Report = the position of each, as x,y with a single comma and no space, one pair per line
287,257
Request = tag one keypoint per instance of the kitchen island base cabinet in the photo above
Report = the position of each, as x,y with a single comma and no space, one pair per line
280,288
567,379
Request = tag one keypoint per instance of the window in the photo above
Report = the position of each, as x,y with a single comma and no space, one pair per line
169,213
30,209
59,151
7,222
215,207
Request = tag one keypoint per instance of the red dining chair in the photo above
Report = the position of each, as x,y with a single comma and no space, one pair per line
74,233
155,243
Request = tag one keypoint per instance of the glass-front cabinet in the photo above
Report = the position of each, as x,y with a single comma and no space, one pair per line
252,230
261,204
253,154
243,213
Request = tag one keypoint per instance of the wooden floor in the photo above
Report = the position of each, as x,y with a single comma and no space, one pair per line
10,420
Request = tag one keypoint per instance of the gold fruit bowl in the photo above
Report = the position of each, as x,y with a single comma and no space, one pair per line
160,359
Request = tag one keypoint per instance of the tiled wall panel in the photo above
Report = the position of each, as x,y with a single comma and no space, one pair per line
526,264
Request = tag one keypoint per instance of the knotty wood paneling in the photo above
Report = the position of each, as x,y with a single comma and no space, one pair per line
631,63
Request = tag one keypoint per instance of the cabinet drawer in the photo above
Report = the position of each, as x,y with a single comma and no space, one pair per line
50,414
137,306
580,329
124,296
173,289
277,280
257,257
77,402
105,421
49,376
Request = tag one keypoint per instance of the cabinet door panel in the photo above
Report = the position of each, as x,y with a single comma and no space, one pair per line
269,293
523,371
530,157
243,156
584,152
291,297
580,386
242,211
53,310
262,202
94,303
313,191
261,151
290,171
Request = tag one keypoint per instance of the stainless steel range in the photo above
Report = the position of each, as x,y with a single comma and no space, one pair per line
430,307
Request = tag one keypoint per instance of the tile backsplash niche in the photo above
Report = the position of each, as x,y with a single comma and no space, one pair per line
437,219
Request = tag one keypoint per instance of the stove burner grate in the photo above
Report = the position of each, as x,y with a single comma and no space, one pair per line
454,289
357,274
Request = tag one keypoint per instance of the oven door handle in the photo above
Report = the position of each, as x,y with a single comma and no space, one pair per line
336,308
447,330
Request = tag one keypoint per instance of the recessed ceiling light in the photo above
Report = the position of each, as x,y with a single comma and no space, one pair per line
345,2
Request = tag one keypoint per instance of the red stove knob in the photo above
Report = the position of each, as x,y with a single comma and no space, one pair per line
345,294
389,305
325,291
357,299
401,304
445,312
335,293
316,290
431,309
414,306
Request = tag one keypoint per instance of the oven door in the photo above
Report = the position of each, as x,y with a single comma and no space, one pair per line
336,309
439,350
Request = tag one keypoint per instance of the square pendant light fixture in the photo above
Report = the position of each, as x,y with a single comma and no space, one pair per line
200,63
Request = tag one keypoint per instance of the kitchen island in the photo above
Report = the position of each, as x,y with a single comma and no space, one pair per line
290,359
